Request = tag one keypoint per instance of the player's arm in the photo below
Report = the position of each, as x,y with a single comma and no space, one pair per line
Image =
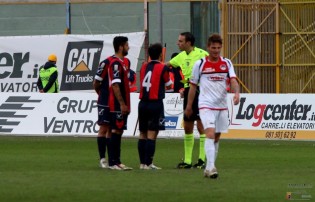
116,68
191,96
117,93
236,89
194,79
174,62
233,82
100,74
168,64
97,86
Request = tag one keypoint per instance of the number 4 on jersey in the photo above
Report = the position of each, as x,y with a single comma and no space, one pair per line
147,81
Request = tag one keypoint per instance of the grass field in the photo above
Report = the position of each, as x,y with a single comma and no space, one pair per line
66,169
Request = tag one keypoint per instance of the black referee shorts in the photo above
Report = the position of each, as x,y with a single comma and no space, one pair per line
195,114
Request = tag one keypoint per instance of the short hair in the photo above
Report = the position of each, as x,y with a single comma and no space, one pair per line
215,38
119,41
189,37
155,51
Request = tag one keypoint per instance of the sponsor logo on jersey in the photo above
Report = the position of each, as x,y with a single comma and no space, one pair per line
216,78
223,67
208,69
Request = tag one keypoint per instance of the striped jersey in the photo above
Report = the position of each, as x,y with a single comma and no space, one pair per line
154,76
113,70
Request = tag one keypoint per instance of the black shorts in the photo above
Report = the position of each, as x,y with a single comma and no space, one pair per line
103,115
151,115
195,114
118,121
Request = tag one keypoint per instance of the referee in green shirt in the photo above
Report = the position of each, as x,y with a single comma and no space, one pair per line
185,60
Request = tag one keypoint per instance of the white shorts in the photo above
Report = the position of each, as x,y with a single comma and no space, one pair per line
218,119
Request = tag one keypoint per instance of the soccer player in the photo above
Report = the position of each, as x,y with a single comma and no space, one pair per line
112,85
211,74
185,60
101,86
154,76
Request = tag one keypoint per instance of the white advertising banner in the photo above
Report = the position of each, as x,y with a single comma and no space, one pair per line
272,116
258,116
54,114
78,57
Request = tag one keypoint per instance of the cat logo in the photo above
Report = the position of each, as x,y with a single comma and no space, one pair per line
80,64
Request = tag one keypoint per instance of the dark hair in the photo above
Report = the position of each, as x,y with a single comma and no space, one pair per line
155,51
174,55
119,41
215,38
189,37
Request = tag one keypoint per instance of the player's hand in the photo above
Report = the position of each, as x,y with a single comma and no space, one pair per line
188,111
236,98
181,92
124,109
41,91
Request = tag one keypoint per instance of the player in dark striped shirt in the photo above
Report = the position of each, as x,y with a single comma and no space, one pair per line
154,76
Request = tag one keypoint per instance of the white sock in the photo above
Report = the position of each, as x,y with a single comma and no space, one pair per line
216,145
210,153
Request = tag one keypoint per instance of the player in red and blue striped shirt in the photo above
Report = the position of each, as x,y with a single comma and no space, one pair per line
154,76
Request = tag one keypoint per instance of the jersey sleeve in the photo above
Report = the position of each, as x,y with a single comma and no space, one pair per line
101,71
231,69
175,61
115,72
195,74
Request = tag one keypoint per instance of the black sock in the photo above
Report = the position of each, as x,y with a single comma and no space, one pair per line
141,150
115,143
111,152
101,145
149,151
118,149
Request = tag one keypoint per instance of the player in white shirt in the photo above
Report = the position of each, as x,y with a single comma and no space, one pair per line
211,74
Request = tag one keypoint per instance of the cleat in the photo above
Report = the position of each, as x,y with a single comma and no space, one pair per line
200,164
151,167
142,166
103,163
213,174
124,167
115,167
184,165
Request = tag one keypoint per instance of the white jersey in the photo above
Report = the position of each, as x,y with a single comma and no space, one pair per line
212,77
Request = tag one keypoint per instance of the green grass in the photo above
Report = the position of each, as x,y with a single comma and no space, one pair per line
66,169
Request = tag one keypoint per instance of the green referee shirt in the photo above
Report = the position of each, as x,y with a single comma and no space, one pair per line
186,62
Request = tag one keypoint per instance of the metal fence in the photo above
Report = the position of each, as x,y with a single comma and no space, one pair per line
271,43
